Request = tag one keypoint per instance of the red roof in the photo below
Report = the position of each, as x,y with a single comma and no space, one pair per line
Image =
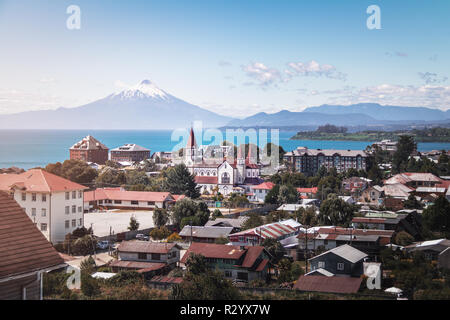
23,247
328,284
307,190
38,180
191,140
262,265
206,180
368,220
264,186
145,247
119,194
142,266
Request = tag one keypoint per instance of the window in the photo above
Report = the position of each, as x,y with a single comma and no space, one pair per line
67,195
44,198
44,212
117,201
74,194
80,194
142,256
74,209
43,227
80,209
67,209
74,223
228,274
135,202
156,256
33,197
80,222
340,266
151,203
321,264
24,196
67,224
225,178
33,212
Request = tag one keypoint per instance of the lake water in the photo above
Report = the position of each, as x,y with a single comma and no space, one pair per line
32,148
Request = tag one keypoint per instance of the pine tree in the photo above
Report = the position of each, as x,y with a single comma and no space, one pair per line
180,181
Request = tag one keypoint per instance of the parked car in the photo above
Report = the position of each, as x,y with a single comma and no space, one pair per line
142,237
103,244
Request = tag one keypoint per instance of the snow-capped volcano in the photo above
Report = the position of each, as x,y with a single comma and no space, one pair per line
143,106
145,89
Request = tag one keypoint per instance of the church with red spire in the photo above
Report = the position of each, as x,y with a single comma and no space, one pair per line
219,170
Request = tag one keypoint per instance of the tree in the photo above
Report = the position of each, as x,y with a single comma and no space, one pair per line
89,285
335,211
254,220
111,177
405,147
159,233
136,177
403,239
180,181
196,264
288,194
88,265
272,195
174,237
412,203
217,214
307,216
236,200
436,217
186,210
274,248
134,224
74,170
160,217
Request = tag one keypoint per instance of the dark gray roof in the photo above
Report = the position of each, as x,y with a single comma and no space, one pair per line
228,222
347,252
206,232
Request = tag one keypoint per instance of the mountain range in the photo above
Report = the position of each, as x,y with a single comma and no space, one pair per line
145,107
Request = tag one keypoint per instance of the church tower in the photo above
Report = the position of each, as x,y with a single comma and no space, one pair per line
240,164
190,151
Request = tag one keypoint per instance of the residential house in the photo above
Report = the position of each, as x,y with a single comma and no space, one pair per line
307,193
150,258
373,196
89,149
260,191
324,284
207,234
235,223
431,248
25,253
162,156
118,198
355,185
256,236
236,262
341,261
414,179
53,203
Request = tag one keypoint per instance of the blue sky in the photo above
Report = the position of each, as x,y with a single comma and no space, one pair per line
232,57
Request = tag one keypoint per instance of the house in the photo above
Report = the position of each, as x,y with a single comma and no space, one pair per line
309,161
355,185
307,193
366,240
395,194
235,223
431,248
386,145
414,180
236,262
343,261
260,191
25,253
204,234
256,236
130,152
319,283
347,199
150,258
118,198
53,203
373,196
89,149
162,156
404,220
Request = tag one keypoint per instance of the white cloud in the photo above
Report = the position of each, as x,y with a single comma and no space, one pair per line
314,69
262,74
432,78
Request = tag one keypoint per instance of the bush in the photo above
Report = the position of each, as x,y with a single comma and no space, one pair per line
174,237
159,233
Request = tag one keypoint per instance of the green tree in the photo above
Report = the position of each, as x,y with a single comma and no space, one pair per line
160,217
180,181
412,203
134,224
160,233
405,147
89,285
437,216
403,238
73,170
217,214
335,211
272,195
274,248
111,178
288,194
187,209
136,177
88,265
236,200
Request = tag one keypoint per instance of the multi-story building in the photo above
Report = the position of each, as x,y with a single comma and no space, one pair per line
130,152
309,161
386,145
53,203
89,149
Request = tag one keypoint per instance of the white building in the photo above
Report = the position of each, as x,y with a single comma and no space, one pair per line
53,203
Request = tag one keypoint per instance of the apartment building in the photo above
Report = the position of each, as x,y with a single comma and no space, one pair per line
309,161
54,204
89,149
130,152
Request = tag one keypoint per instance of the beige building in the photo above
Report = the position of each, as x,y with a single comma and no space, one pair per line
54,204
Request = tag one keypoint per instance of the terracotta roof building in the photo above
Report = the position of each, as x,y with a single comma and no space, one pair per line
24,254
53,203
328,284
89,149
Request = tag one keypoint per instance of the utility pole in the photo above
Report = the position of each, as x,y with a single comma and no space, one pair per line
306,250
